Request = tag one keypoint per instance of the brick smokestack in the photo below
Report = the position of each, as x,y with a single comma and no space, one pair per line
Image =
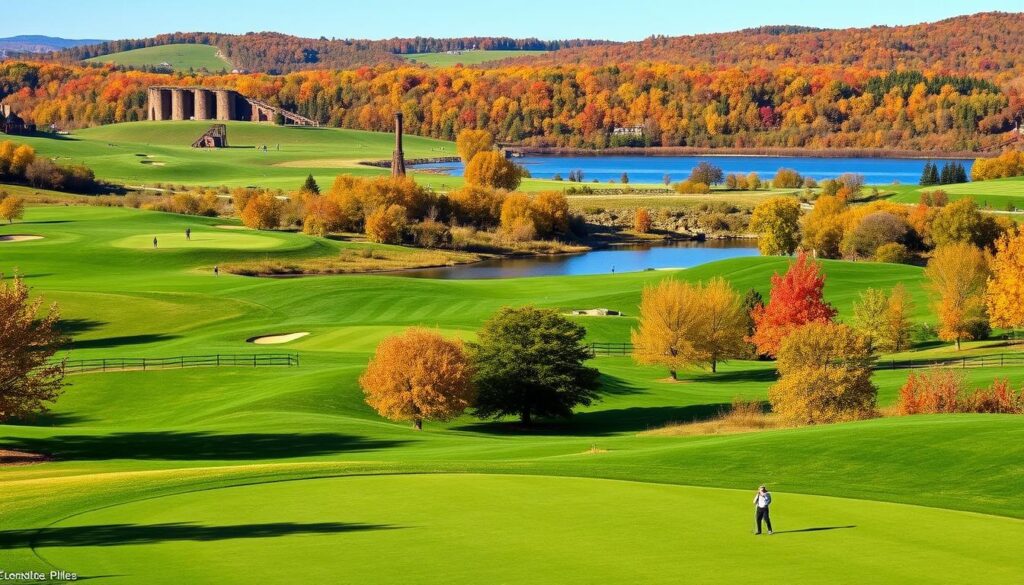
398,158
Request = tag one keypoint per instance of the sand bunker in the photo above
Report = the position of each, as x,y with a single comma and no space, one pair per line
9,457
275,339
19,238
231,227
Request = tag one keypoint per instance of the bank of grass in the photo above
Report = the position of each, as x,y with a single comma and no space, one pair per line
353,261
219,474
181,57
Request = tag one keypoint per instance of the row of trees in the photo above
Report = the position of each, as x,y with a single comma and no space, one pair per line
19,163
1009,163
879,230
526,362
816,106
952,172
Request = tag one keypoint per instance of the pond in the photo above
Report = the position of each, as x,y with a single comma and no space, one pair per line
652,169
631,258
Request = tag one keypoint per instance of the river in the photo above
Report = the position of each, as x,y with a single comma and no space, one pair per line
652,169
631,258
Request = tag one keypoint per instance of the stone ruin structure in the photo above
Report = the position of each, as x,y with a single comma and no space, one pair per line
398,157
11,123
211,103
215,137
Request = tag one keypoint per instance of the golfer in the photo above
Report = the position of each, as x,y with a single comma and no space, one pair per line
188,233
154,242
762,500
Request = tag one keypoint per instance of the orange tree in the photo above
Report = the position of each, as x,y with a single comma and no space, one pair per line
796,299
825,376
386,225
28,340
491,169
418,375
529,363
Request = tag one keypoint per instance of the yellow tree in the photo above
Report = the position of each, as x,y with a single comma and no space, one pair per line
418,375
869,315
721,323
262,211
957,275
669,318
550,213
517,217
386,225
825,376
823,226
777,224
492,169
1005,288
898,324
12,207
22,157
470,142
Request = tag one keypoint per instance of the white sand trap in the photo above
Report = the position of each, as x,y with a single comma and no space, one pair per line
275,339
19,238
231,227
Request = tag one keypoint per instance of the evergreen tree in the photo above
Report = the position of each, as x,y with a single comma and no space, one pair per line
933,175
926,174
961,173
947,176
310,186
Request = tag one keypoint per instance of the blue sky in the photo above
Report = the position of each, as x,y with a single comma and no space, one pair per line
547,19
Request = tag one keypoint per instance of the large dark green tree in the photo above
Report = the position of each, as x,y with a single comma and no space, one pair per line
530,363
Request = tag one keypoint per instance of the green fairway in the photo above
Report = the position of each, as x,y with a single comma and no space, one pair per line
181,57
475,57
252,475
516,529
996,194
149,153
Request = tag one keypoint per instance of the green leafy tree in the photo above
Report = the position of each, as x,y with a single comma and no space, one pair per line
777,224
529,363
310,186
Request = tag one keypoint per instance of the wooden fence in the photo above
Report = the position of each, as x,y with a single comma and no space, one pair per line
255,360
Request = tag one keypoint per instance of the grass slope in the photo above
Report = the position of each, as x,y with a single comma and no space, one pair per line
466,58
181,57
248,472
145,153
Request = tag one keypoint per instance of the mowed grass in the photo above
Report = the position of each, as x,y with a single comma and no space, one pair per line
996,194
149,153
181,57
266,475
466,58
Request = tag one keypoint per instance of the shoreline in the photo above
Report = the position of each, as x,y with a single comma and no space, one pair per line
766,152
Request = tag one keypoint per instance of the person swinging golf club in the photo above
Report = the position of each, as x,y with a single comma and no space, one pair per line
762,500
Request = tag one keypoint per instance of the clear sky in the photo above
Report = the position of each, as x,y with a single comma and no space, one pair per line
546,19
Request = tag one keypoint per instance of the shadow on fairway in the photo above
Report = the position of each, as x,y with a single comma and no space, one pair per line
194,446
73,327
815,529
603,422
120,340
751,375
124,534
48,419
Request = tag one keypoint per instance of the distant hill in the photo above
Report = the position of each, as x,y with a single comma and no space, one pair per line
270,52
40,44
178,57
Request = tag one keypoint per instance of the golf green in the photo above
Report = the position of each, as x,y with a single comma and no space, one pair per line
220,239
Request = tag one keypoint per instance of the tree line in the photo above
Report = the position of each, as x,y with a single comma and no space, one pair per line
810,106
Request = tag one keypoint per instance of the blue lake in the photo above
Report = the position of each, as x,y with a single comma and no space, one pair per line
604,261
652,169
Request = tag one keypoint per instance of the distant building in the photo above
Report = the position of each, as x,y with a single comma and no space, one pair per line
629,131
11,123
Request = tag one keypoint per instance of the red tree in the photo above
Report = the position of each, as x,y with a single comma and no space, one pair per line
796,299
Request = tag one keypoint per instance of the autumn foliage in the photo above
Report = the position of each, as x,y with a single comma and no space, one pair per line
418,375
825,376
944,391
957,275
1005,287
796,299
28,339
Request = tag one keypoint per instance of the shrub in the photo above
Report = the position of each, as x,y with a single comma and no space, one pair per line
930,392
689,187
787,179
492,169
892,253
642,221
386,225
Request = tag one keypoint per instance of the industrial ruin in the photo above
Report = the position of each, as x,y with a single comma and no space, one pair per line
398,157
215,137
211,103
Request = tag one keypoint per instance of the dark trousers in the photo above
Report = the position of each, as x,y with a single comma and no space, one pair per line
762,516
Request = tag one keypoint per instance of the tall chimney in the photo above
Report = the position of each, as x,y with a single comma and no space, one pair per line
398,157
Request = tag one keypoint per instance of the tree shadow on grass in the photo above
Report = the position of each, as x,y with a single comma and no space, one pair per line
194,446
48,419
73,327
600,423
126,534
117,341
814,529
749,375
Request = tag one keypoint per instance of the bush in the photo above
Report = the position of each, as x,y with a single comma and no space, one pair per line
942,391
892,253
386,225
689,187
787,179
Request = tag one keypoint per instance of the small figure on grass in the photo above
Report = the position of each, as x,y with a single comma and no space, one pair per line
154,242
762,500
216,270
188,233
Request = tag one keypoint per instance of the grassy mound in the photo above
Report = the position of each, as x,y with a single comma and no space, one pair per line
466,58
181,57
